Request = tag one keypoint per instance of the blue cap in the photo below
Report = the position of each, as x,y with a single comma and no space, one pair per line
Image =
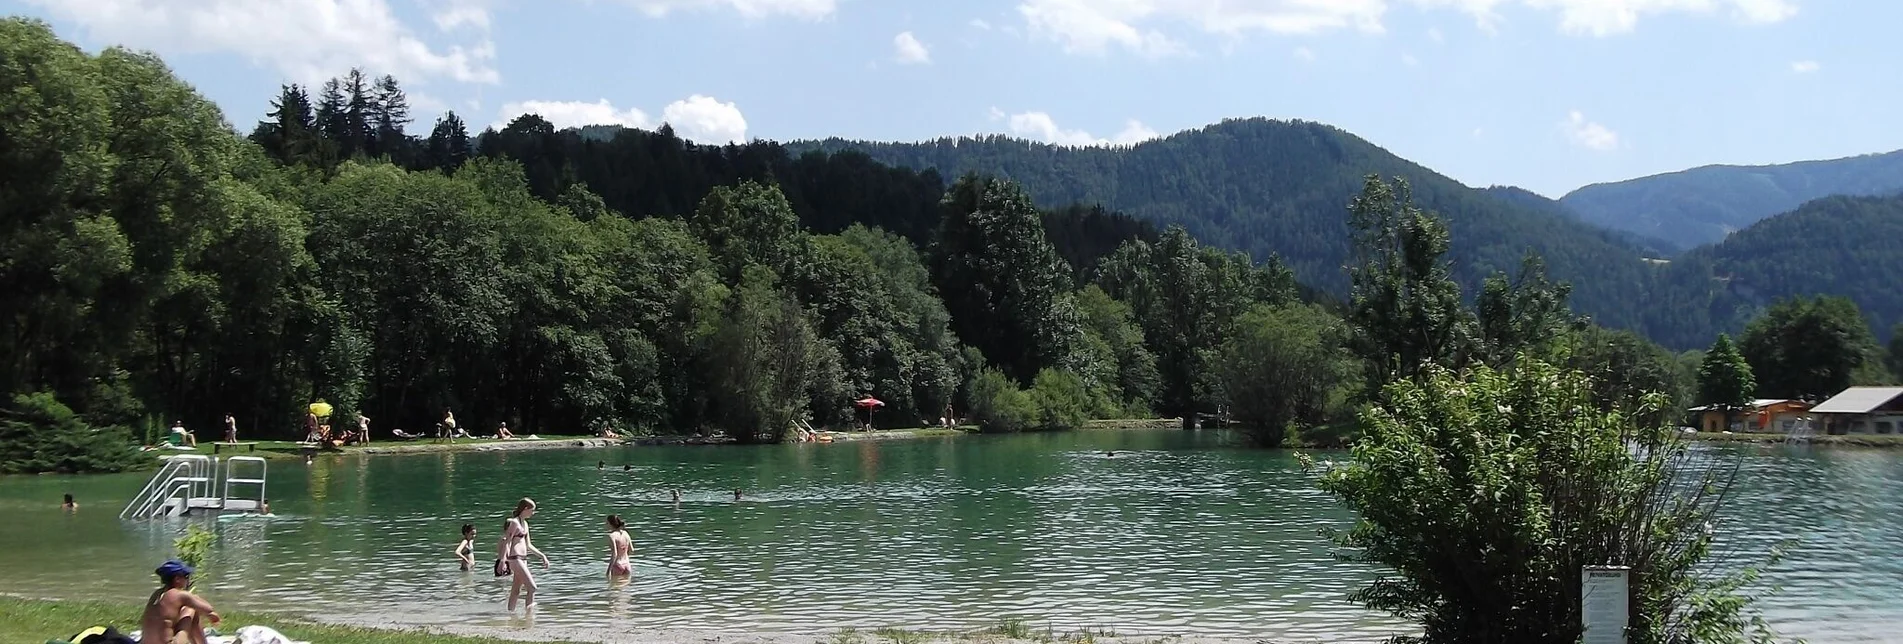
173,568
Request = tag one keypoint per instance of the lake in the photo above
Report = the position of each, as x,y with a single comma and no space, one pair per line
1177,533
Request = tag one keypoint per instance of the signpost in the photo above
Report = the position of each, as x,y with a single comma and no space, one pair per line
1603,600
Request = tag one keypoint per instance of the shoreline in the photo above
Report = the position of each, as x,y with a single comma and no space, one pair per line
1857,441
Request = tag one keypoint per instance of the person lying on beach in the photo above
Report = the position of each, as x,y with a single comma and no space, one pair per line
174,615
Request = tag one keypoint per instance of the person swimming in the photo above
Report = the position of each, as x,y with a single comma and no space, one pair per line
736,494
174,614
619,546
69,504
466,550
677,498
627,467
264,507
601,465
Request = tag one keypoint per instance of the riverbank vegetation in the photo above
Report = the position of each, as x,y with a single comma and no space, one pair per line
163,268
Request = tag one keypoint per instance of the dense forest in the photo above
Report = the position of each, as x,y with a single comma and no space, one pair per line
159,266
1276,187
1702,205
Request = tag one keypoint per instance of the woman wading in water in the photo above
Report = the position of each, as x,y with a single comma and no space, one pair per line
618,547
513,553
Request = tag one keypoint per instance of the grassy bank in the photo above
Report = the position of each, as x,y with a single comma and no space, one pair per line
1848,440
32,621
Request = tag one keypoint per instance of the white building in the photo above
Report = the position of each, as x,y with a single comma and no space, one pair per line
1862,410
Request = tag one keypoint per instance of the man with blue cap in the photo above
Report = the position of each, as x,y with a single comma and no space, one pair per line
174,614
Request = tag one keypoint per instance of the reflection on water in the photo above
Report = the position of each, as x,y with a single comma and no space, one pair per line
1171,535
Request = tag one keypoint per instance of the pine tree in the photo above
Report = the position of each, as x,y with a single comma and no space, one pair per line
1406,308
333,122
448,145
390,115
358,136
289,132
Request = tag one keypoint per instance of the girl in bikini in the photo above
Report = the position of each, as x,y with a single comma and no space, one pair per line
618,547
516,548
466,550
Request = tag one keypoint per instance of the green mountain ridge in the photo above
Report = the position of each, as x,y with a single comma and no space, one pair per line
1266,186
1702,205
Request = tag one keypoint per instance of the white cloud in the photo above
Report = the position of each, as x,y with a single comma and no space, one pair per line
1039,126
1434,34
979,24
306,40
908,50
1805,66
452,14
567,114
1305,54
1092,26
1095,26
1588,134
809,9
697,118
1410,60
1608,17
703,119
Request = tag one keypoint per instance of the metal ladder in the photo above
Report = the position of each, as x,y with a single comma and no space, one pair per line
1801,433
243,504
191,482
171,491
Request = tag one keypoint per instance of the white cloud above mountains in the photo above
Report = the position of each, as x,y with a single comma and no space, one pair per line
330,35
1589,134
1096,26
698,118
1039,126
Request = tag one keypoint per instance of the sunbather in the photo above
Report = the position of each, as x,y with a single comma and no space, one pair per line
174,614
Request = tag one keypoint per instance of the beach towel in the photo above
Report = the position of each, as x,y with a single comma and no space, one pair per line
248,635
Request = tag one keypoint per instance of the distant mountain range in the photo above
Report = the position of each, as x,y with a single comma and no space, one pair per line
1266,186
1703,205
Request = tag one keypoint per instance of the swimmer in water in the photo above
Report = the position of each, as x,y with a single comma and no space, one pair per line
736,495
466,549
601,465
69,505
627,467
264,507
619,545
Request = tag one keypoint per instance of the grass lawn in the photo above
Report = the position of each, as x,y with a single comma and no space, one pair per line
32,621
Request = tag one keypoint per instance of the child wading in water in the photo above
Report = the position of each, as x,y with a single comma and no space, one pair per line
619,546
466,551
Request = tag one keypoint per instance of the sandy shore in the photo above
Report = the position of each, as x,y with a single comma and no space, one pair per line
842,636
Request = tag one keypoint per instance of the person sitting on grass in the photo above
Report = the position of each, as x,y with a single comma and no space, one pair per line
174,614
503,433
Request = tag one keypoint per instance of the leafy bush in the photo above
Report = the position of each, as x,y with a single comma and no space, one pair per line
1061,399
193,549
1286,367
1486,495
41,434
998,405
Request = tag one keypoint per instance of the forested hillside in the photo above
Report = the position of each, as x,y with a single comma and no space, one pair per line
1849,246
1265,186
1702,205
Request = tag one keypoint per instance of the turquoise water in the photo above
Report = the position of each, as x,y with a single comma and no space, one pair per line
1174,534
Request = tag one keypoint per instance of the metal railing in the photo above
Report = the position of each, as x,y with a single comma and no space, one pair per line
191,474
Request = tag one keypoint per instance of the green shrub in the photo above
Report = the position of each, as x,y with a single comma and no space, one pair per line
1484,496
38,433
998,405
1062,401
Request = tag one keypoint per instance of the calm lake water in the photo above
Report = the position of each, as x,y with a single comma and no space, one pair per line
1175,534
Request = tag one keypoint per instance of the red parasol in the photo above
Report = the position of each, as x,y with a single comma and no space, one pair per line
868,401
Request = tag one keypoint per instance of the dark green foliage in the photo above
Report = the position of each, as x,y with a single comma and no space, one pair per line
1526,315
1725,379
997,404
1702,205
1406,309
746,224
39,434
1625,367
1117,361
1485,495
1286,367
1001,280
1061,400
765,361
1186,297
1843,246
1894,356
1808,348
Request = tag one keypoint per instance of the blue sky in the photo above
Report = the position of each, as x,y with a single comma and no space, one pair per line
1544,94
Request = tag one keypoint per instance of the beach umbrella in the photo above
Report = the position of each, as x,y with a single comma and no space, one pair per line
320,408
868,401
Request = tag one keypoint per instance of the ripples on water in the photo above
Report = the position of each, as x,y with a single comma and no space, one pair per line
932,534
